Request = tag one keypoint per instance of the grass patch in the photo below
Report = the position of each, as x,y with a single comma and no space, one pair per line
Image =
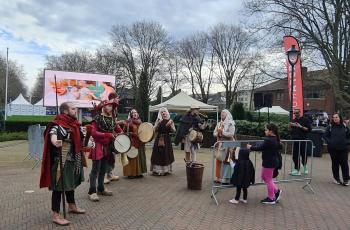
30,118
4,136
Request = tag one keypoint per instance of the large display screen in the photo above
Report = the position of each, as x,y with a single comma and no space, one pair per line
82,89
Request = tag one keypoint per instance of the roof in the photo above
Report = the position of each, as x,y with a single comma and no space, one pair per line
276,85
20,100
317,78
274,109
182,102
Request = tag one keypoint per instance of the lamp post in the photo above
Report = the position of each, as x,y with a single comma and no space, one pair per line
293,57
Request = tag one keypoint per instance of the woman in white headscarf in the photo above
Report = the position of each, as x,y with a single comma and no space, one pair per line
224,131
162,154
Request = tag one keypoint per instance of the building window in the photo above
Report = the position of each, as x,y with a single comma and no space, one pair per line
315,93
279,96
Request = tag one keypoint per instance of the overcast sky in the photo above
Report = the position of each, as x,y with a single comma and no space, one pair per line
34,29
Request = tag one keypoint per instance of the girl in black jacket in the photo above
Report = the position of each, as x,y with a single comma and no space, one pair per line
243,175
269,148
336,137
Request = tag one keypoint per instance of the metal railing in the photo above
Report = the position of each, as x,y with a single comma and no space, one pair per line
35,144
305,147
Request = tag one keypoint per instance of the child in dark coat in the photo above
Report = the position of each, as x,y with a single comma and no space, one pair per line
243,175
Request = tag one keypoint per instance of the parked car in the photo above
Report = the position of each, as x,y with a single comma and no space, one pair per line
322,117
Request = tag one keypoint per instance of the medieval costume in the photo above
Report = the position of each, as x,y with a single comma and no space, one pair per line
162,154
224,131
188,122
102,128
66,130
137,166
114,99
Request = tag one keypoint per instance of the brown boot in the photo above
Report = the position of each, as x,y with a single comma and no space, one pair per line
57,219
72,208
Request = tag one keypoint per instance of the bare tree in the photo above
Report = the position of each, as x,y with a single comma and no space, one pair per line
172,69
77,61
15,80
258,74
323,25
197,57
140,49
37,92
231,47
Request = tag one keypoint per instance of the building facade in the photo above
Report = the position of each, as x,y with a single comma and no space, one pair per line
317,93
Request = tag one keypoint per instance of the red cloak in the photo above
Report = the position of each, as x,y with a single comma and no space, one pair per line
66,122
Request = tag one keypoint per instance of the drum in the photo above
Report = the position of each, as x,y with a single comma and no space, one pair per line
195,136
133,152
145,132
122,143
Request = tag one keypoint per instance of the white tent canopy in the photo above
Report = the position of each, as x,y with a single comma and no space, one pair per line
20,100
183,102
41,102
20,106
39,109
274,109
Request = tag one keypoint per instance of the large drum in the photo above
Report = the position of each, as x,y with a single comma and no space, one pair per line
133,152
122,143
145,132
195,136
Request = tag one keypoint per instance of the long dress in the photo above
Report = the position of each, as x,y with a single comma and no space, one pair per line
162,153
137,166
223,170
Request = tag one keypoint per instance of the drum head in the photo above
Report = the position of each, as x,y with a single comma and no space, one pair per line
133,152
193,135
145,132
122,143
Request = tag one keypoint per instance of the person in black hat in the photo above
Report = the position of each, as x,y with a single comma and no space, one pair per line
188,122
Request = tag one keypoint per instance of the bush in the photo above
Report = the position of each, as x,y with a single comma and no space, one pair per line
254,129
237,111
275,118
4,136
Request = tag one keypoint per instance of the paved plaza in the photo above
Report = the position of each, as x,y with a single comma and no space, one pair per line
166,203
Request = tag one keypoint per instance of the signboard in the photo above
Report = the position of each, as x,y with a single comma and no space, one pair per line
82,89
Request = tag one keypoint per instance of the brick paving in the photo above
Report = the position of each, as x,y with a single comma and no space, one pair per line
166,203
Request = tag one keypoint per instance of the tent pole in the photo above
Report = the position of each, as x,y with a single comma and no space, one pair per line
217,114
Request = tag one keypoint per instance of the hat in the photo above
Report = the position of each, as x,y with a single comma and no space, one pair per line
194,107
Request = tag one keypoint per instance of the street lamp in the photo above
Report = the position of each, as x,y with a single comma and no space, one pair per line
293,57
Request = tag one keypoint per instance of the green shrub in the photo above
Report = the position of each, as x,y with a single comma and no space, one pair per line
237,111
254,129
275,118
4,136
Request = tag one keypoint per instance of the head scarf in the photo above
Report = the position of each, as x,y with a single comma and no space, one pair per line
130,116
160,118
228,118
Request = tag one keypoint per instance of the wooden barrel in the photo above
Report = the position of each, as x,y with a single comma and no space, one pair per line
194,174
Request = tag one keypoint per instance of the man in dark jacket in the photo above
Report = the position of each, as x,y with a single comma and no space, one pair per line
300,127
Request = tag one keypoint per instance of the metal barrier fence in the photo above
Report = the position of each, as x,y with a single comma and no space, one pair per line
290,148
36,143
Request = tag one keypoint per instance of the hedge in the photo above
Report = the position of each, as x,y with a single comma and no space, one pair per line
4,136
